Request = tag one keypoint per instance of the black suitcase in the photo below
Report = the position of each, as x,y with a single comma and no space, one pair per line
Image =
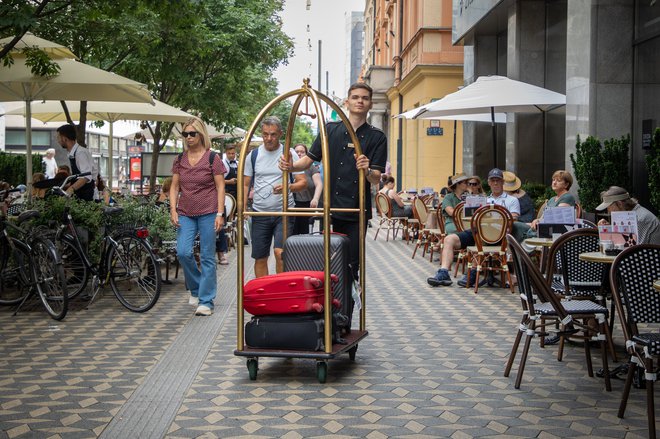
305,252
290,331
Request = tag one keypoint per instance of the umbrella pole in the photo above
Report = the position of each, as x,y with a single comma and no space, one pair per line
453,163
494,127
28,145
110,160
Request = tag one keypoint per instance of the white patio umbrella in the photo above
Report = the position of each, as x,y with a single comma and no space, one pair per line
30,41
75,81
483,117
495,94
49,111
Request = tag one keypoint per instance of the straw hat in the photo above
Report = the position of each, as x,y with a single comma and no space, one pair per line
511,182
458,178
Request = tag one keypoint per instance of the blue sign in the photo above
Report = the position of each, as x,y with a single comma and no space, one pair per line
434,131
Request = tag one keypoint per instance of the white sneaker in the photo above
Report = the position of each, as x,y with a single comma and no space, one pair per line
192,300
203,310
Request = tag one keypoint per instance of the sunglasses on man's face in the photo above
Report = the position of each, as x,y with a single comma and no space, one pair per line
189,133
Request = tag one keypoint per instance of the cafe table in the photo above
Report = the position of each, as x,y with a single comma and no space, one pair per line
545,244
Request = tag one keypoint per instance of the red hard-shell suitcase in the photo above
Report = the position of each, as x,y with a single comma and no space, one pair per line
291,292
305,252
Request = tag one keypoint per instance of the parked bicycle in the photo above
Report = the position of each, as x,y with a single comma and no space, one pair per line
127,262
30,264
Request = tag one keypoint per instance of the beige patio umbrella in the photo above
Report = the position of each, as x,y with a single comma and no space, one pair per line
51,111
30,41
75,81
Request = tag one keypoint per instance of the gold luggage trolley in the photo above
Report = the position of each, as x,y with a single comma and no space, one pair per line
355,335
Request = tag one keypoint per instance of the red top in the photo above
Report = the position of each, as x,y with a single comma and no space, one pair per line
197,193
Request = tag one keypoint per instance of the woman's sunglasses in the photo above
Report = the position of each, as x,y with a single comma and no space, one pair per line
473,183
189,133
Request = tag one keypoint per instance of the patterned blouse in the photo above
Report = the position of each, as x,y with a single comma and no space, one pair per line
197,193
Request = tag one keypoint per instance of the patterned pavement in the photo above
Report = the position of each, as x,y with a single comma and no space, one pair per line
431,367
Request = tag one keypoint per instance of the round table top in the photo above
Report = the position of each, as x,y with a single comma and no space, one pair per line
656,284
597,257
539,242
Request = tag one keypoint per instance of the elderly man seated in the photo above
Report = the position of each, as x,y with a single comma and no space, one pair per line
464,239
617,199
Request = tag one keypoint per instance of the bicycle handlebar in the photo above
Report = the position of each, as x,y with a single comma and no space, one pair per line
58,189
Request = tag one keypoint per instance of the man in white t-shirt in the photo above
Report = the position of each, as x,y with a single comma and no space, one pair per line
267,186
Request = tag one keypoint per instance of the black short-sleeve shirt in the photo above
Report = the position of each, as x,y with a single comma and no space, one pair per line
343,173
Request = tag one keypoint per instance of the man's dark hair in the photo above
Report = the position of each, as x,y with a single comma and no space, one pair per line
68,131
361,85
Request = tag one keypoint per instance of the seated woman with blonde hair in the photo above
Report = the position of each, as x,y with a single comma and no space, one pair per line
398,207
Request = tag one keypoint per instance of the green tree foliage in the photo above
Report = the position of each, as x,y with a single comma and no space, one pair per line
12,167
653,167
302,129
598,166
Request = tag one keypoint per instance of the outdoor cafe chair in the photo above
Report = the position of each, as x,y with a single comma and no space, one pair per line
387,221
439,233
230,220
571,278
490,224
425,236
457,217
539,301
632,278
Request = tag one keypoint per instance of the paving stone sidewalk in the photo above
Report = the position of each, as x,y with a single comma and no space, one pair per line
431,367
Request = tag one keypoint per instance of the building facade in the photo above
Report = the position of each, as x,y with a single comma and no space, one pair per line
410,61
599,53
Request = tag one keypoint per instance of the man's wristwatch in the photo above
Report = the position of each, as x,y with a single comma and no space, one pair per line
368,172
220,214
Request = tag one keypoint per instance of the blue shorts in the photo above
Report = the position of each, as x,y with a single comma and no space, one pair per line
466,237
264,229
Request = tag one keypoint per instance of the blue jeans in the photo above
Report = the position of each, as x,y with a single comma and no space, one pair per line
201,284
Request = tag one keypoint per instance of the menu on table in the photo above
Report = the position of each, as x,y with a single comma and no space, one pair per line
472,203
557,221
622,232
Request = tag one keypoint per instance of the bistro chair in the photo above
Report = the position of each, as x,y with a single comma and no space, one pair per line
457,217
490,224
439,233
230,220
573,279
425,237
638,303
539,301
387,221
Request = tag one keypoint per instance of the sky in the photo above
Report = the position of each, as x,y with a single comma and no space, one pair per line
327,22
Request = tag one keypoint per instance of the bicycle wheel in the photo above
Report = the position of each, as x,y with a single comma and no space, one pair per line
134,273
14,276
76,272
49,276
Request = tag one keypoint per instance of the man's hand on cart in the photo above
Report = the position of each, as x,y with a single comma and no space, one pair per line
286,165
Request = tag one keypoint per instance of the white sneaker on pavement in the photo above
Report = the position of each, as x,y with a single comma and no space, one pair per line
192,300
203,310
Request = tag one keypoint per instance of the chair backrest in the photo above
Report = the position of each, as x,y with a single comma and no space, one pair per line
531,284
539,214
631,277
420,210
578,210
457,216
230,207
383,205
490,225
440,220
564,257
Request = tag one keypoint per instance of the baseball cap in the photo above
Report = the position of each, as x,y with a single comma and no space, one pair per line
496,173
614,193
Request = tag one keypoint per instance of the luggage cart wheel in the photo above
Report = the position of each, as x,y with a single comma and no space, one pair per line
253,367
321,371
351,353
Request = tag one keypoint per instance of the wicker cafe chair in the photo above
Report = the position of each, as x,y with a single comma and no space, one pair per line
457,217
425,237
539,301
638,304
490,225
230,220
439,234
571,278
387,221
